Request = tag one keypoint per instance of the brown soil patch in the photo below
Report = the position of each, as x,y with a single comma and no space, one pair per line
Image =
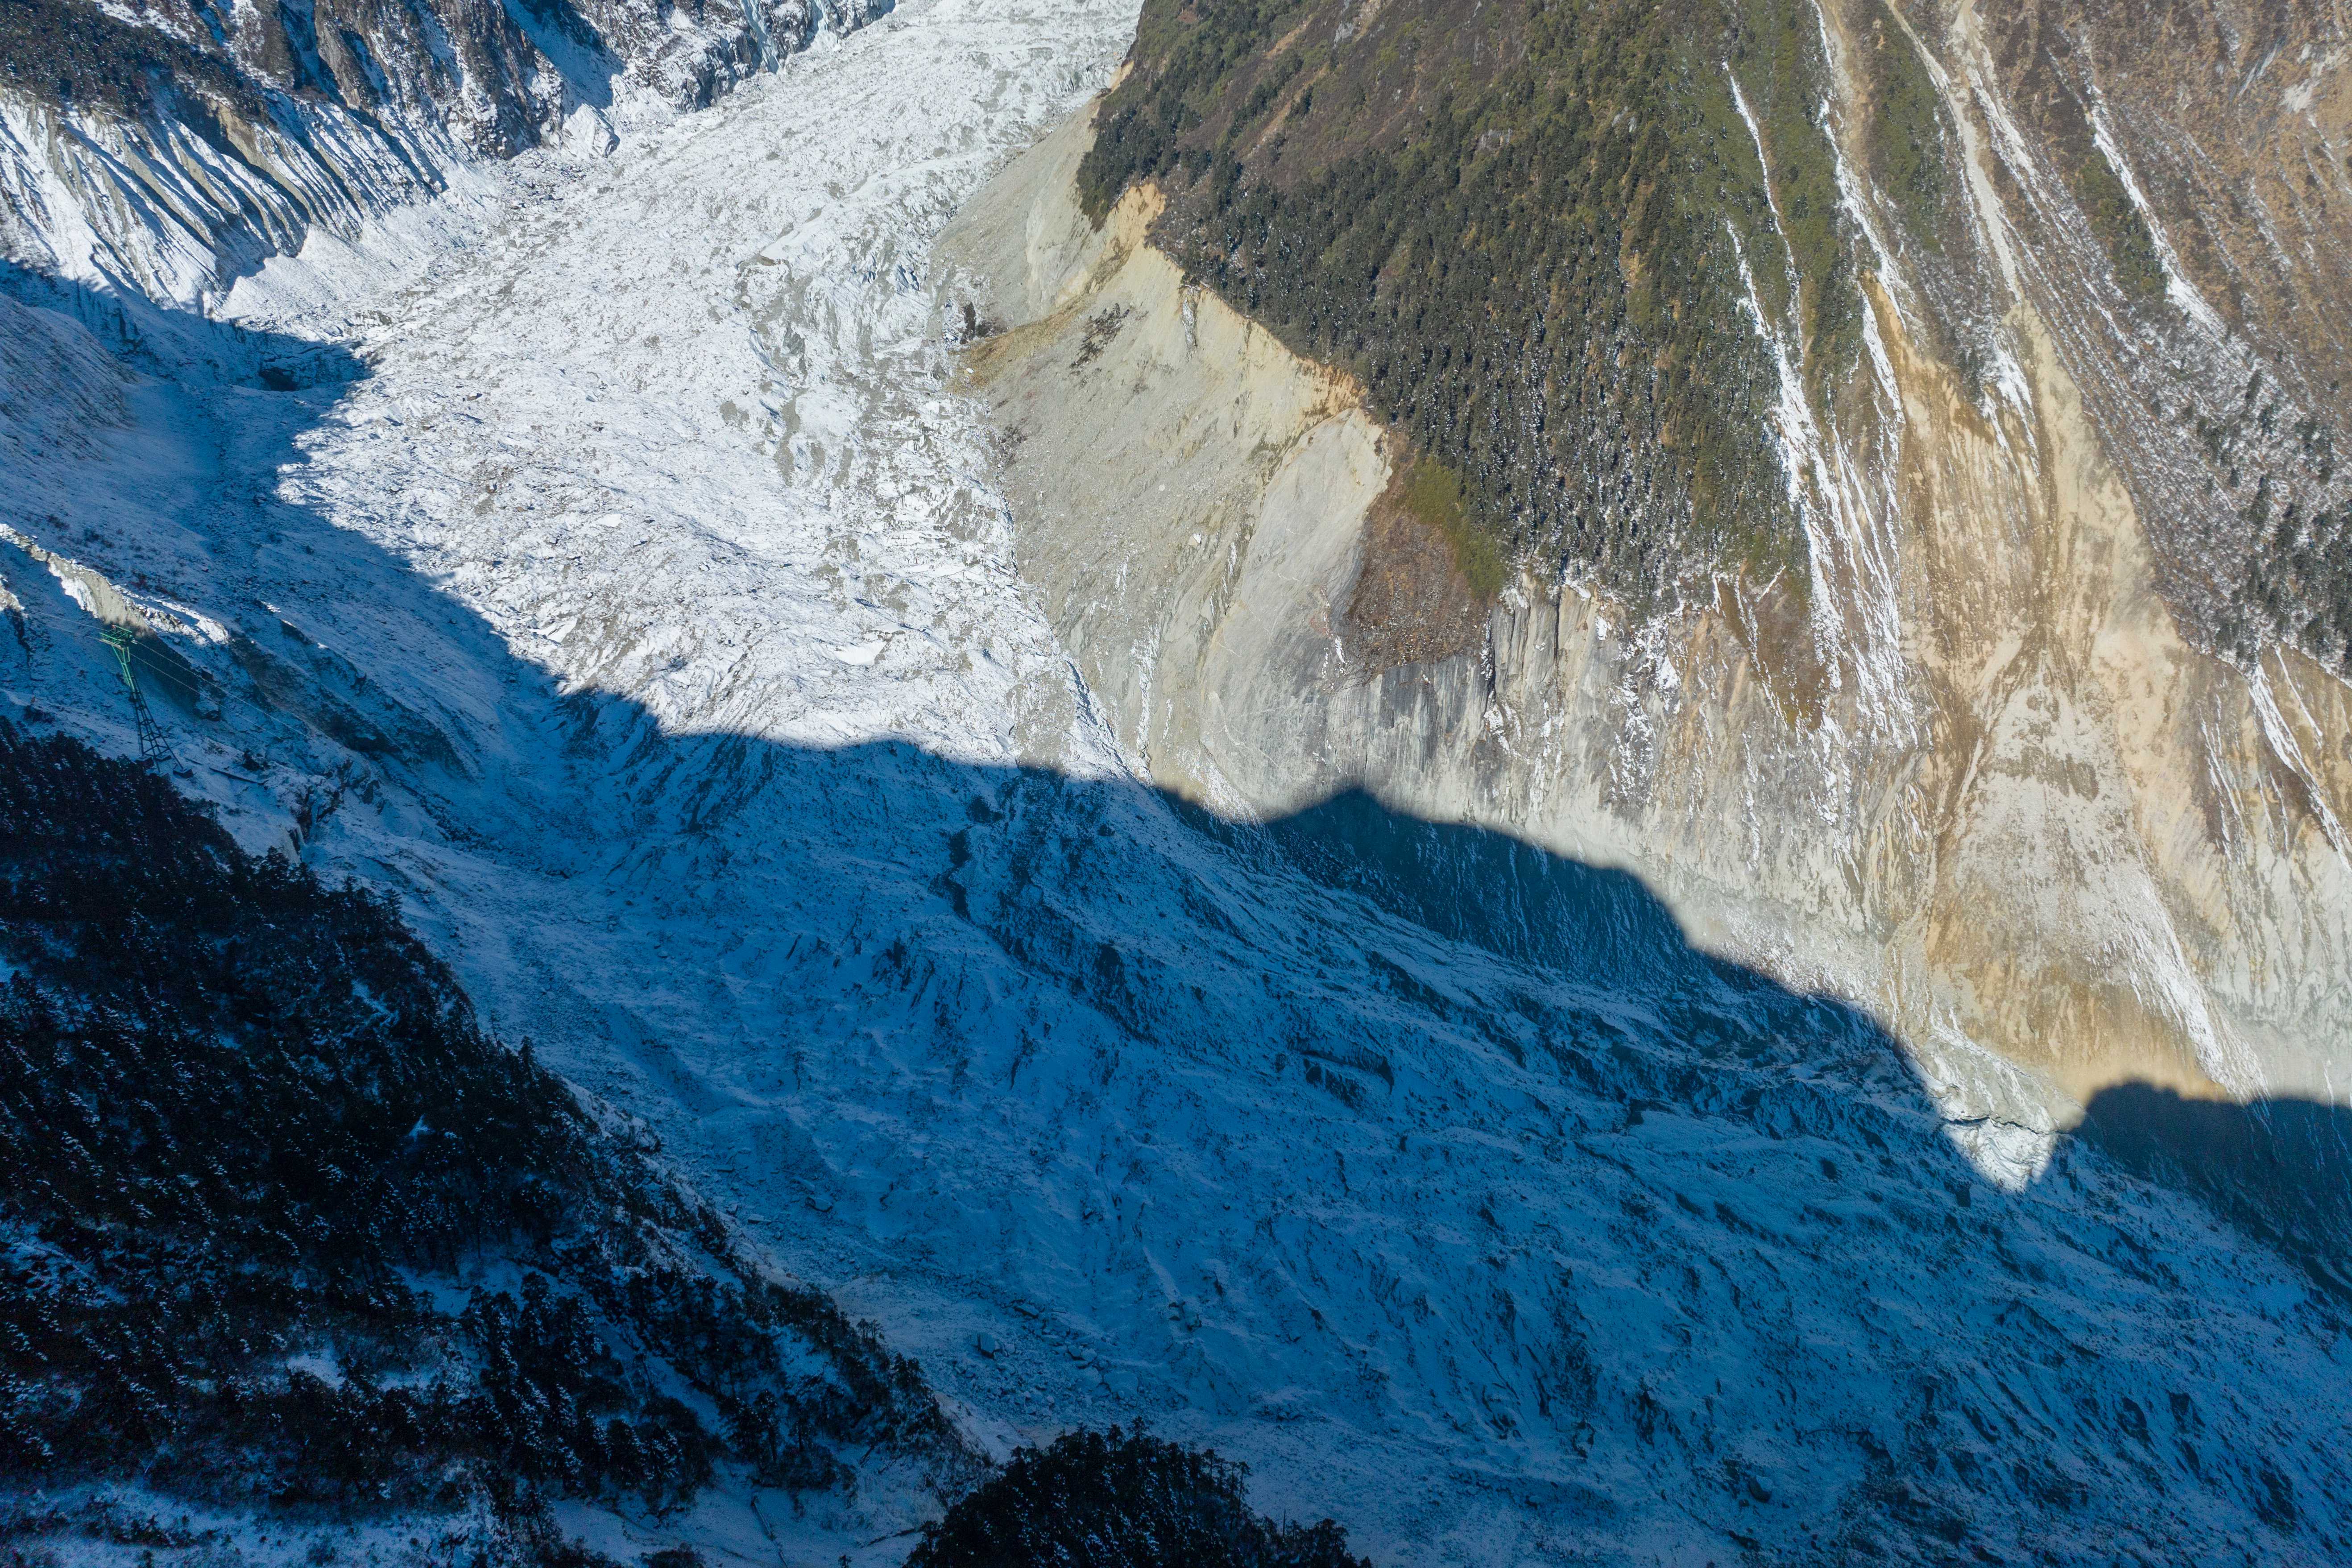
1775,624
1411,603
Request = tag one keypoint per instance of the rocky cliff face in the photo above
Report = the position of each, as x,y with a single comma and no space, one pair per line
1913,462
169,147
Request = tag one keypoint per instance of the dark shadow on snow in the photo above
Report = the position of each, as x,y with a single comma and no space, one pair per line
1017,852
2280,1169
1471,885
181,346
2277,1169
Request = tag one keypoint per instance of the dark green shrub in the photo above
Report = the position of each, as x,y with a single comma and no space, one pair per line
1121,1499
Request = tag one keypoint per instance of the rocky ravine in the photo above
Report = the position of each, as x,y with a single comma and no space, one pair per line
1993,775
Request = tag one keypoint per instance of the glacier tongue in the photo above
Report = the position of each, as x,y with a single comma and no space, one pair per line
646,618
678,427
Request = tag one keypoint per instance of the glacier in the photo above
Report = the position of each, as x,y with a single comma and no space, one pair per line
601,557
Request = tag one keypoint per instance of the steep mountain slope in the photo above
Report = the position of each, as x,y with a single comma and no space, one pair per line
646,616
288,1233
172,146
1586,253
1777,513
1528,231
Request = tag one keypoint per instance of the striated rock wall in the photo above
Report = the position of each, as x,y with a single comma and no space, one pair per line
1980,780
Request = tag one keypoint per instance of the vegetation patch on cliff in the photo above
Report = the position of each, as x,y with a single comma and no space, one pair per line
70,55
1427,571
2123,233
1550,239
1906,127
2171,161
1125,1499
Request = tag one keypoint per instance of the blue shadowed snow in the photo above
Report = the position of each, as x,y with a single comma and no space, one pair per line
1435,1176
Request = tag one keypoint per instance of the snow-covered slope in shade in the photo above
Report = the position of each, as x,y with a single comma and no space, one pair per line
644,616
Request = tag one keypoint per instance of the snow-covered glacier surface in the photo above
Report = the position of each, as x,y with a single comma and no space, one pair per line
602,558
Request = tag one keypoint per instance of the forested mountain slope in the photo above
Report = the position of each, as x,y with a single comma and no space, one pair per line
289,1233
1586,255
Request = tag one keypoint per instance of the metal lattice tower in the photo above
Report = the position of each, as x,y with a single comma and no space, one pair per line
152,747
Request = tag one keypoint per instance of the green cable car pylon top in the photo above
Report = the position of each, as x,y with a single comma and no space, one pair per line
152,747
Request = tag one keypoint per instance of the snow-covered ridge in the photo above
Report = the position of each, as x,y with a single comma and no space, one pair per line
146,147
